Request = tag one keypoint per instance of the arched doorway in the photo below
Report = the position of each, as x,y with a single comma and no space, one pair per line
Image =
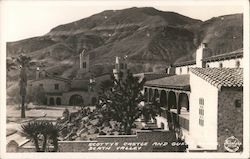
163,99
172,100
150,94
58,101
93,101
76,100
183,101
156,94
51,101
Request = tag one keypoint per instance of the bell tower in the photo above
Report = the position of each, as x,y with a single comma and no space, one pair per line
83,64
84,61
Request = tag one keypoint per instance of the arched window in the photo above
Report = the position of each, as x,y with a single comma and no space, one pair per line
220,65
207,65
237,63
51,101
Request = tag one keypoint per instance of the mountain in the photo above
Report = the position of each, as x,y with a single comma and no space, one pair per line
151,38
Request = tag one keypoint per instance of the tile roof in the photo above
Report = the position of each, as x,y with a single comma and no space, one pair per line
234,54
80,84
185,63
173,82
50,76
151,75
221,77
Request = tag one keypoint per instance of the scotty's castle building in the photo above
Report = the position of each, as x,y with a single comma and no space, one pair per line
202,99
82,90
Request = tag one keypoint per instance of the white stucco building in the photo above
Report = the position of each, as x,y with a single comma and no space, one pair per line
202,99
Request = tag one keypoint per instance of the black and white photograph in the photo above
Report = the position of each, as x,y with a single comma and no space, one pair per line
124,79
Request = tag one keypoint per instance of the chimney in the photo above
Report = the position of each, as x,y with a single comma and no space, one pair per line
37,73
170,70
200,54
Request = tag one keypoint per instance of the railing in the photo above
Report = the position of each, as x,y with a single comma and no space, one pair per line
184,123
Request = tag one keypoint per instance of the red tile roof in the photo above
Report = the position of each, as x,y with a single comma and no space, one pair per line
221,77
173,82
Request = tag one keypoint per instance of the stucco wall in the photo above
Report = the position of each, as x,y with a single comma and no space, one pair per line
226,63
49,85
230,118
183,69
204,136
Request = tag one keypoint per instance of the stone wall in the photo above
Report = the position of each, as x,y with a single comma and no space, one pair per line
230,117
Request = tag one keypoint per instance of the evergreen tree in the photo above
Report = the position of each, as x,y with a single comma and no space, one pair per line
121,103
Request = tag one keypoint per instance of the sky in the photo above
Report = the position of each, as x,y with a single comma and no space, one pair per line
25,19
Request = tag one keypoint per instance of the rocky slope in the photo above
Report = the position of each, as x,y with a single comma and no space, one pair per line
151,39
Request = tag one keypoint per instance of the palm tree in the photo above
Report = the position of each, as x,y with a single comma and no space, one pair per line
24,64
42,131
30,130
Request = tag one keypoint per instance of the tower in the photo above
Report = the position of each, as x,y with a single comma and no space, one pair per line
202,52
120,67
83,63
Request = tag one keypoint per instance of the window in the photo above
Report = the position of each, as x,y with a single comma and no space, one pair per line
56,86
84,65
180,70
237,103
41,85
220,65
237,64
201,112
122,66
162,126
207,65
187,69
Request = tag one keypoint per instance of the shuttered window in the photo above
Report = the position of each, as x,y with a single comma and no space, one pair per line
201,111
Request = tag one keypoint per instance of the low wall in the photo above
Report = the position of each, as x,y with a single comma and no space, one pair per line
143,141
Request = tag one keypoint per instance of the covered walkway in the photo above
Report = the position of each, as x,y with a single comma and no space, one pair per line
171,94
